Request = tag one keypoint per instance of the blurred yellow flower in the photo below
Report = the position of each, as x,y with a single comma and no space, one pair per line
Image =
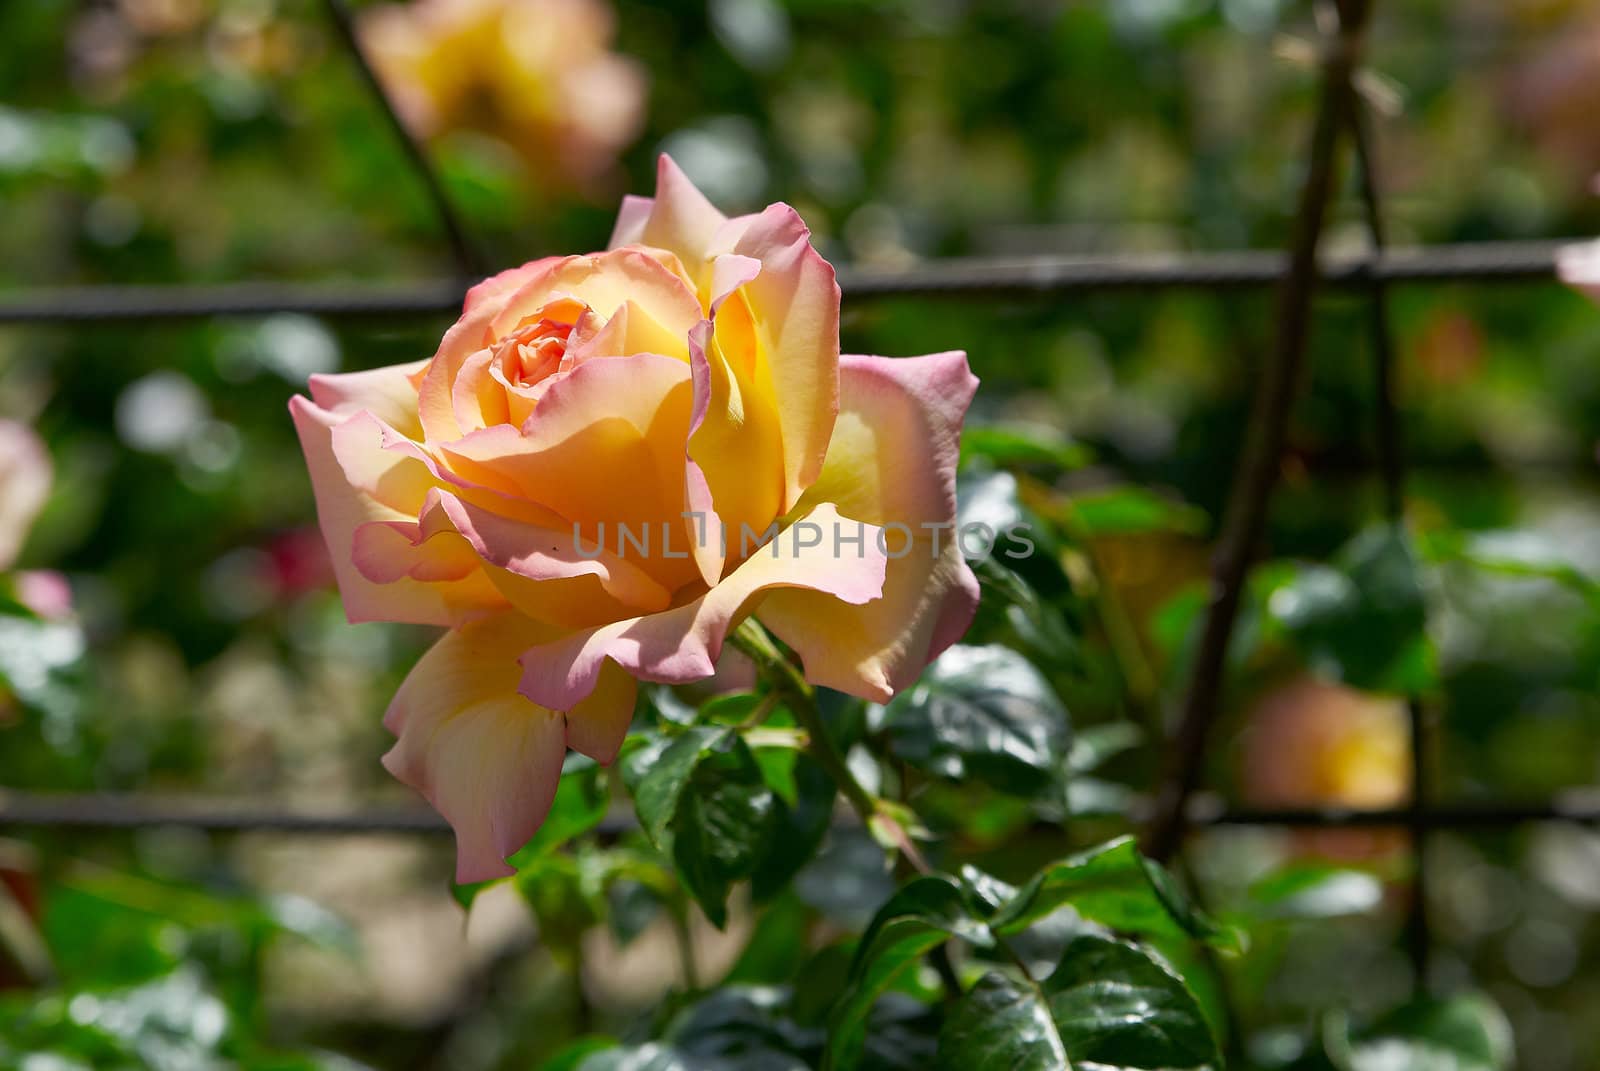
1311,743
538,74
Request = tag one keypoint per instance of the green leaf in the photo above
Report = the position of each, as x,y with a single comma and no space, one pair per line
744,1029
1008,603
1108,1005
1021,445
1116,1006
922,915
562,900
984,713
671,764
1133,511
571,1057
798,827
1310,890
1117,887
722,825
1361,619
1002,1022
1093,747
1465,1033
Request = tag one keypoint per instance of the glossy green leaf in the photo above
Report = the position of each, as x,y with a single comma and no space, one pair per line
984,713
661,781
1003,1021
722,825
1116,1006
1108,1004
922,915
1117,887
1012,610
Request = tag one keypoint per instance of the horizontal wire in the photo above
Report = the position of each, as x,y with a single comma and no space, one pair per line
109,812
974,276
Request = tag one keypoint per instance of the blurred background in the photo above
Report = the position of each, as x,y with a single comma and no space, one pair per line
184,636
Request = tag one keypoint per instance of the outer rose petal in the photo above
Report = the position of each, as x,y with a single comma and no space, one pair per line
485,757
682,645
678,219
341,509
25,477
892,462
389,393
1579,266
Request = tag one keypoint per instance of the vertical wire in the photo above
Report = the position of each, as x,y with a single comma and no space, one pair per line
1391,465
469,261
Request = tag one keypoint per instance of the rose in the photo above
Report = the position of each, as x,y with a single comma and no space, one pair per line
539,73
685,384
1311,743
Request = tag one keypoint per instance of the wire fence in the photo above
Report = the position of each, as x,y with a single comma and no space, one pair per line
975,277
1180,803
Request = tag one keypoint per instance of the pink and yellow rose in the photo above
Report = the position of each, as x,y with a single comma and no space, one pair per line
685,386
539,74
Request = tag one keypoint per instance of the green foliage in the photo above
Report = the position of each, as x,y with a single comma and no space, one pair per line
1117,887
983,713
1361,619
1462,1033
1107,1004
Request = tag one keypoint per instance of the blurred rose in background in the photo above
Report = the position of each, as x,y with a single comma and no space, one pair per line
1313,744
537,74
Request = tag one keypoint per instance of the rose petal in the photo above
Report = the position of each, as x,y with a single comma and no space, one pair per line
625,417
605,282
485,757
342,508
892,462
389,393
794,311
678,219
682,644
736,445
